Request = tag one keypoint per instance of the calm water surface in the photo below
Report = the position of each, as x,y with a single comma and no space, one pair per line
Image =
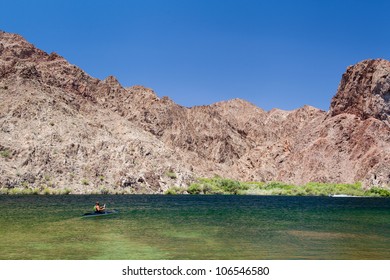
195,227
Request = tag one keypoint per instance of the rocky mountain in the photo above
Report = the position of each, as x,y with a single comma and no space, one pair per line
61,128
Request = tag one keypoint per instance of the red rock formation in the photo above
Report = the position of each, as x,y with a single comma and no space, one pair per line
364,91
61,127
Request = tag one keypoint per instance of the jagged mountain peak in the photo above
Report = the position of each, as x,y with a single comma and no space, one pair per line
364,91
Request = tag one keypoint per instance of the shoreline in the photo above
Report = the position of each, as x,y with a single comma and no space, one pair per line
223,186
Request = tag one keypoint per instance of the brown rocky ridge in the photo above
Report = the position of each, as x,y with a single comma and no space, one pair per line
61,128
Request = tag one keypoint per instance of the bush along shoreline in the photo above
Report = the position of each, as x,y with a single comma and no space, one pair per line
218,185
222,186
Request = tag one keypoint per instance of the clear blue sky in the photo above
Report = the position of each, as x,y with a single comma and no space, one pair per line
282,54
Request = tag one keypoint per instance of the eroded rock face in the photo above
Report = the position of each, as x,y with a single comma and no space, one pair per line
364,91
60,127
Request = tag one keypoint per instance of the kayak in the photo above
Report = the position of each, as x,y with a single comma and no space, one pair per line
98,214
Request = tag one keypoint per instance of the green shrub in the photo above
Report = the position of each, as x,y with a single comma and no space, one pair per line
175,190
230,186
194,189
376,191
217,185
35,191
65,191
5,153
278,185
84,182
170,191
171,174
208,188
46,191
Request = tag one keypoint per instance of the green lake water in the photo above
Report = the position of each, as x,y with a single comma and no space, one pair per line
194,227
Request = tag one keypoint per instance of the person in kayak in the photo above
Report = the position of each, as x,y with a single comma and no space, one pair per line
98,208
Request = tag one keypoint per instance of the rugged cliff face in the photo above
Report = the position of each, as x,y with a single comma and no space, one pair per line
61,128
364,91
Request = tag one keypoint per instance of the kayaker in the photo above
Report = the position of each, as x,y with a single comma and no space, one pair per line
99,208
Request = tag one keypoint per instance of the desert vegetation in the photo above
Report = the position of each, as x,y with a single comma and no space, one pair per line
218,185
26,190
212,186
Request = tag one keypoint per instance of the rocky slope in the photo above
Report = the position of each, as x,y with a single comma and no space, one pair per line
61,128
